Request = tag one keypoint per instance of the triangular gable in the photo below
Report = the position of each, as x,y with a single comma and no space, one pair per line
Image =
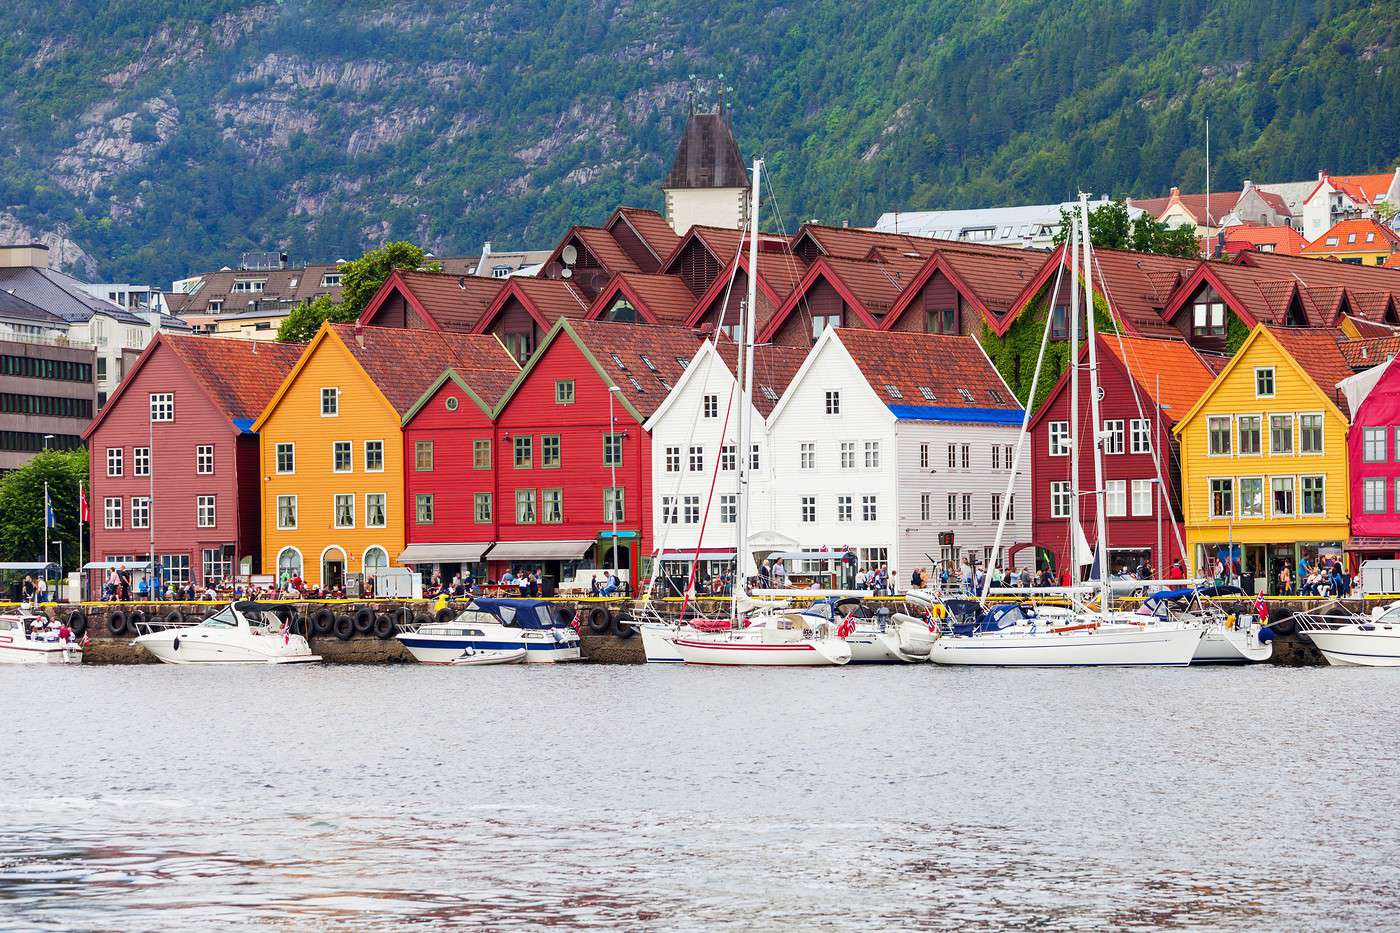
562,326
618,285
828,336
140,364
514,290
325,333
710,356
448,375
823,271
1204,274
721,282
623,214
1030,292
935,264
395,283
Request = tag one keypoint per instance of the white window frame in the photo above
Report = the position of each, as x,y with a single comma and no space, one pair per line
1302,500
145,512
384,497
140,461
833,401
162,405
335,509
872,455
200,504
870,508
1114,430
673,460
1321,434
290,451
1239,500
1140,436
383,454
1210,496
1060,496
349,447
1273,513
112,513
296,512
333,398
116,461
808,505
807,455
1142,497
1292,434
1229,435
1115,498
204,456
1059,441
1235,439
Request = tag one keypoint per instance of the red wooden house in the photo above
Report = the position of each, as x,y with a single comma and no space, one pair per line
705,253
573,462
635,298
180,426
1148,383
962,287
644,236
431,300
526,308
840,292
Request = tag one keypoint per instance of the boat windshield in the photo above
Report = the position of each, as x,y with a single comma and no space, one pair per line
224,618
1391,614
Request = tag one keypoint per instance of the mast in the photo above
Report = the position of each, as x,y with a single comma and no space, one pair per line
1096,425
743,366
1075,532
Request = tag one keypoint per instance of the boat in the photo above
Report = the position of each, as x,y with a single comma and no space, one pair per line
881,637
765,641
1229,637
1350,639
499,625
243,632
28,637
475,657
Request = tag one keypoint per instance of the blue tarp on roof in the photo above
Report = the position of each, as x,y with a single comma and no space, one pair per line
244,425
949,413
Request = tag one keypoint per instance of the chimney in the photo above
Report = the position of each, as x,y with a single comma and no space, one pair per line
1247,185
359,335
24,255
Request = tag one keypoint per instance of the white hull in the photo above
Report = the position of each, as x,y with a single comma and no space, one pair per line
657,643
1351,646
905,640
1232,646
486,658
1118,647
444,644
190,646
31,652
734,651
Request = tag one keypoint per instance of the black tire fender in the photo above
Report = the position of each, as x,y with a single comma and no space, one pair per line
77,623
323,621
599,620
364,620
422,618
173,618
116,623
564,614
137,618
622,626
384,627
402,616
446,614
344,627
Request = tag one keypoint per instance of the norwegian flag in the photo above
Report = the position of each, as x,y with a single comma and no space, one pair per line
82,503
847,626
1261,609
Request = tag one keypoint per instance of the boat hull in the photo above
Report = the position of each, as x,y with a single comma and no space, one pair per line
445,649
872,646
1352,646
657,643
40,653
187,646
1145,647
730,652
488,658
1232,646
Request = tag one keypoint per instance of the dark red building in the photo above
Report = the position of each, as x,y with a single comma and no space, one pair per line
180,424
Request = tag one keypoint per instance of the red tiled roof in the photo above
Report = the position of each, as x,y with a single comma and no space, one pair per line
655,232
405,363
1363,189
1180,372
456,302
607,250
1351,236
1370,351
856,243
664,297
1369,328
876,284
1316,350
1283,239
623,350
1321,273
1221,203
774,366
995,274
241,376
910,362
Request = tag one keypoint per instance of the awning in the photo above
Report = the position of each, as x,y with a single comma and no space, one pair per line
117,565
24,565
443,553
706,553
1374,543
540,550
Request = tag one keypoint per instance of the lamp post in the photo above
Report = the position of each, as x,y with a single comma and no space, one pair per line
612,462
47,438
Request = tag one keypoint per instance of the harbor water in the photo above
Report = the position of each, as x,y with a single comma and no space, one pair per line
364,798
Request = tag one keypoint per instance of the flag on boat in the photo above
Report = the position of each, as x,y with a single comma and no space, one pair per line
847,626
1261,610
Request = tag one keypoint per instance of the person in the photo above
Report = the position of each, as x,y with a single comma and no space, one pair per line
41,590
1177,571
593,588
612,585
507,577
1285,581
141,588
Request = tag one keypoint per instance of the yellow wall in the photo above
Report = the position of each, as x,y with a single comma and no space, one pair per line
296,417
1368,257
1233,394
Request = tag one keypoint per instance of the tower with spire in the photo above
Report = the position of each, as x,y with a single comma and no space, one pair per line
708,183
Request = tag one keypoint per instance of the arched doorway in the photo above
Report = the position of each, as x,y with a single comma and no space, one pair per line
376,561
332,567
288,565
624,559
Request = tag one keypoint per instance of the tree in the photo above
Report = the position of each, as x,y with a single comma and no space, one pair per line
22,506
1111,228
361,278
301,324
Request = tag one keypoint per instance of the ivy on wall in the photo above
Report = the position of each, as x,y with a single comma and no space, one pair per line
1014,354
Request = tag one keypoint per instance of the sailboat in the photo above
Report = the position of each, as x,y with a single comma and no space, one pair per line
1017,635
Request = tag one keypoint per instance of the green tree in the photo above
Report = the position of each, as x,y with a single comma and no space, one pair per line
361,278
305,319
22,506
1110,227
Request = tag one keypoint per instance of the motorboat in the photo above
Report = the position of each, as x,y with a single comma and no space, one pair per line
494,625
765,641
28,637
243,632
875,638
475,657
1229,637
1349,639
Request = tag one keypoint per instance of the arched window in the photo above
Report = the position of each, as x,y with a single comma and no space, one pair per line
288,563
376,560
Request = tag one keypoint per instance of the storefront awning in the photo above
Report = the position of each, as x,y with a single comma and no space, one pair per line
540,550
443,553
1374,544
117,565
706,553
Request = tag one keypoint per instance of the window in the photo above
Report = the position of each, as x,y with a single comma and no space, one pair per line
330,403
1251,435
330,280
614,504
141,512
374,456
288,563
966,457
1113,437
203,459
1282,488
286,513
996,457
996,506
843,508
807,455
928,394
1251,497
1314,495
869,510
691,510
423,456
344,510
481,454
525,506
1310,433
712,406
1142,497
552,506
423,508
1208,315
1280,434
1059,499
726,457
524,451
341,457
809,509
952,506
967,506
203,511
1264,382
925,507
941,321
550,456
673,459
848,455
1115,494
1009,452
563,391
833,403
728,508
1059,439
112,512
1222,498
952,456
612,449
114,461
668,510
697,460
821,322
217,563
286,458
923,457
175,568
141,461
872,455
1059,322
1372,445
163,406
894,392
1218,427
1140,431
481,507
376,511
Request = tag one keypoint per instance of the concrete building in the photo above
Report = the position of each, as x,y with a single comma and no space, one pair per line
47,393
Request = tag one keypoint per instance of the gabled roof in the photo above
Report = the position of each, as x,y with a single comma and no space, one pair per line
869,288
402,363
1283,239
904,368
1368,352
1221,203
777,277
1169,372
1355,235
659,299
600,243
546,300
1363,189
722,243
1256,296
708,156
239,377
442,301
773,370
991,278
60,294
651,228
485,387
856,243
1140,287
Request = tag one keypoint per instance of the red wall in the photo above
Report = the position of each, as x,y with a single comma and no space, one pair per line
452,482
1381,409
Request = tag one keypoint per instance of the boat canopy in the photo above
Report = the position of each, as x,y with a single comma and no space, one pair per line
249,606
521,613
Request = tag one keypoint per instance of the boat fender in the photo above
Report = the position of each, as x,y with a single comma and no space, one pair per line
622,626
136,619
116,622
323,621
402,616
384,627
422,618
599,620
563,615
173,618
446,614
938,610
175,646
344,627
1284,627
1266,635
78,623
364,620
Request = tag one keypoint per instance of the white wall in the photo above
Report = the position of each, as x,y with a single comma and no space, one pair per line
715,207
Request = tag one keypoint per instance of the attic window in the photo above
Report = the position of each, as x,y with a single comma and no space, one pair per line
927,393
666,385
635,384
618,360
1332,241
966,395
894,391
682,361
768,393
995,396
650,365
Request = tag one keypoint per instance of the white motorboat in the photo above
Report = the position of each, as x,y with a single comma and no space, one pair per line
1353,640
474,657
240,633
495,625
1229,638
26,637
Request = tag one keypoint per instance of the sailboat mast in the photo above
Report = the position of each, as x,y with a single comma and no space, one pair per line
1075,534
1100,522
743,366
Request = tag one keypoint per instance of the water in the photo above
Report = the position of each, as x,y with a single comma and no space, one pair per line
364,798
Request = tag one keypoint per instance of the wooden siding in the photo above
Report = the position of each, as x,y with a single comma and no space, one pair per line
633,246
696,266
937,294
513,320
394,311
453,482
821,298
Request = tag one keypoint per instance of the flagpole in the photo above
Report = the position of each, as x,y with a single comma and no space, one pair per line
82,575
46,528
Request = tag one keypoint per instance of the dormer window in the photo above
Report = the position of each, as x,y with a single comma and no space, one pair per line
965,395
1208,315
330,280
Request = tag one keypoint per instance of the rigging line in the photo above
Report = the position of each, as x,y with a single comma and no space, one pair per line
704,519
804,308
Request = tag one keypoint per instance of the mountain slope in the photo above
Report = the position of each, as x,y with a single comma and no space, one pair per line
166,136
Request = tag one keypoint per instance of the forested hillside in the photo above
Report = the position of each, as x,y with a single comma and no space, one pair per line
157,137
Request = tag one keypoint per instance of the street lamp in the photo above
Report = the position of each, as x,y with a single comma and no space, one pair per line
47,438
612,462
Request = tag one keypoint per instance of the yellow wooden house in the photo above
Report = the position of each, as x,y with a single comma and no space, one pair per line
1264,458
